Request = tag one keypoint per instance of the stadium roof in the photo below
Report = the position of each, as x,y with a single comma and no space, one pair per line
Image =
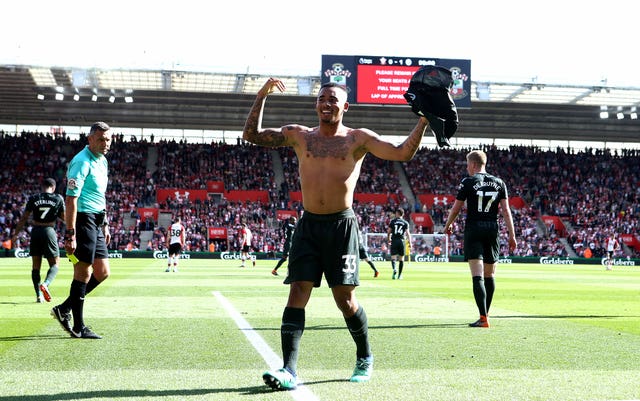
199,100
95,81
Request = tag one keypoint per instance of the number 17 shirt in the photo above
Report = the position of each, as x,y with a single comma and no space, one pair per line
483,193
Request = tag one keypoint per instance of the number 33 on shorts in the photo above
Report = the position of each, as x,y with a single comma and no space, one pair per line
349,264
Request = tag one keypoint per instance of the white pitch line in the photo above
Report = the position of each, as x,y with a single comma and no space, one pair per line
301,393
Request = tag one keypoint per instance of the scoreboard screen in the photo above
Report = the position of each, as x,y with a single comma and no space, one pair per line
383,79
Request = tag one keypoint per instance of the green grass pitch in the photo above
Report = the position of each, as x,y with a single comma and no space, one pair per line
558,333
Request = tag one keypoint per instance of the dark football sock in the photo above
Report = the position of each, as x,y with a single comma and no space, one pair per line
400,267
35,279
92,284
51,274
66,305
490,287
280,262
372,265
480,295
290,335
358,326
76,296
393,265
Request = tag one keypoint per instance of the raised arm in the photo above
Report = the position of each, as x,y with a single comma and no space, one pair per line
253,131
402,152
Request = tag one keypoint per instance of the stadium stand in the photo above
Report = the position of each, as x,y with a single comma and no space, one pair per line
568,200
590,192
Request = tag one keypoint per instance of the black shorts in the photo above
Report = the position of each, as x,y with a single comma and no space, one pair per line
325,244
175,248
44,242
362,252
90,239
246,248
397,246
481,241
286,248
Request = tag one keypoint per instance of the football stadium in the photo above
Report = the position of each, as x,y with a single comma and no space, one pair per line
206,322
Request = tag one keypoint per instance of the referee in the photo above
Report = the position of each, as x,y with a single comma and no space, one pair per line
87,234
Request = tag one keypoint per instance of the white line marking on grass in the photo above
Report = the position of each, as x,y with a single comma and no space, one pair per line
301,393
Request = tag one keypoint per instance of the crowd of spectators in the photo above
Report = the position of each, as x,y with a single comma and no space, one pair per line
594,191
240,167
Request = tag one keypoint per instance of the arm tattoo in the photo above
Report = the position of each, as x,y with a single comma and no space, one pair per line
268,137
413,141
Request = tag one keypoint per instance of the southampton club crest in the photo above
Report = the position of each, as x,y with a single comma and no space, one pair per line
338,74
459,78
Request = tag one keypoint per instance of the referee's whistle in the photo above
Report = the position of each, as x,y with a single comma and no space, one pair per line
73,258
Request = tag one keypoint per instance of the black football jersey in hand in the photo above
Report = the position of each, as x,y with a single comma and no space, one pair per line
483,193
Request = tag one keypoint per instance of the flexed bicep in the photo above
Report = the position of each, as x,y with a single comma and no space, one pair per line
267,137
253,131
273,137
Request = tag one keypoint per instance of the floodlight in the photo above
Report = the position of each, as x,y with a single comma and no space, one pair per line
40,96
483,91
76,97
112,99
94,98
128,99
603,112
620,115
59,96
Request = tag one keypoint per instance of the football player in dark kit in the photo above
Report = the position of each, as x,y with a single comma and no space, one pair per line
396,233
288,227
45,207
484,194
364,255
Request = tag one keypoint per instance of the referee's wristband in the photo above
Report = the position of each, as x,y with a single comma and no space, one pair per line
69,234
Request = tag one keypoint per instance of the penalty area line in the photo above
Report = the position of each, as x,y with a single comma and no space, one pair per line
301,393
